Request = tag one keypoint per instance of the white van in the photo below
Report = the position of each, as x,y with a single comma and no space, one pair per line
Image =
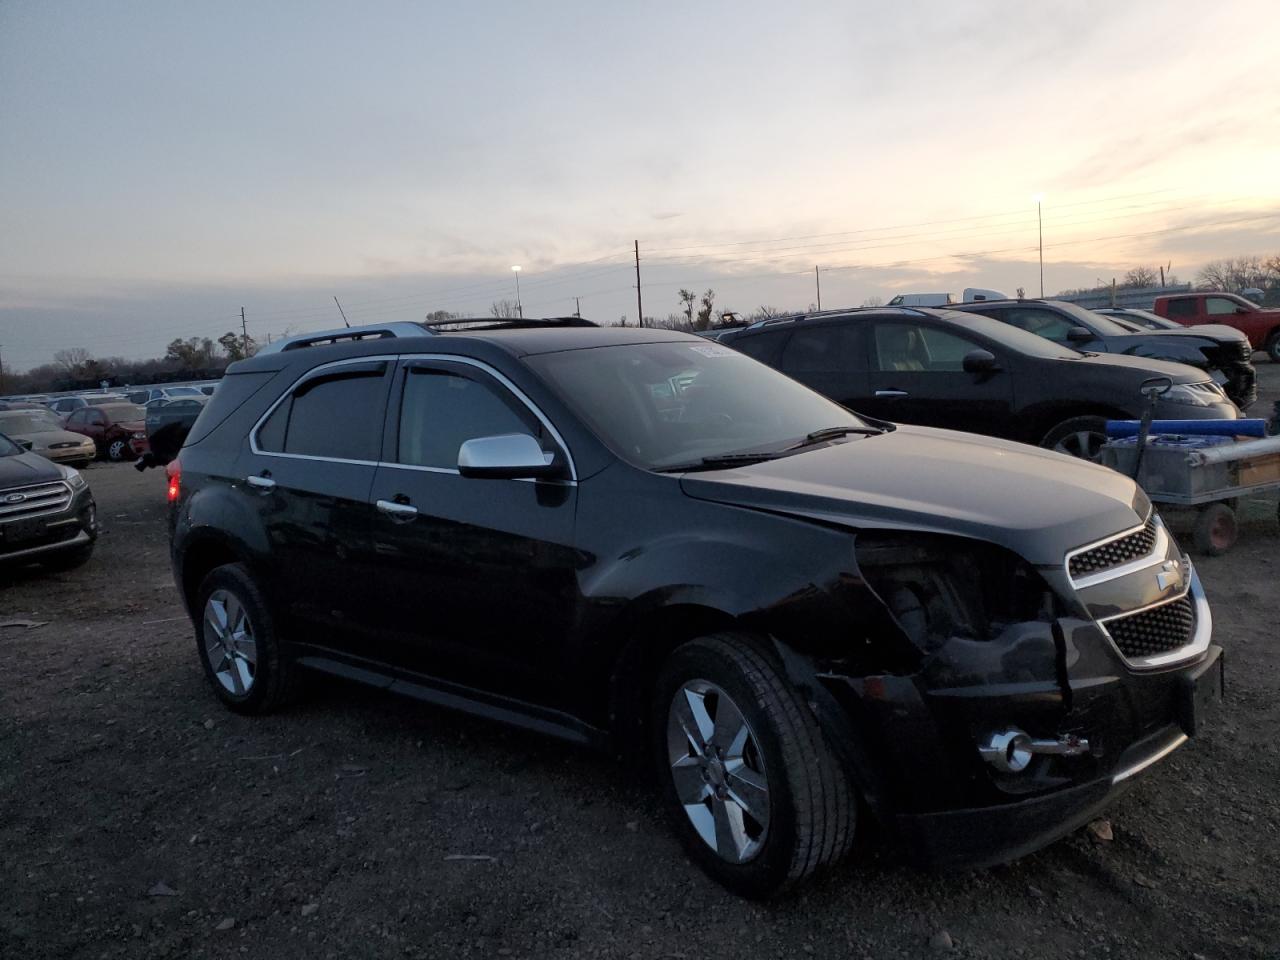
920,300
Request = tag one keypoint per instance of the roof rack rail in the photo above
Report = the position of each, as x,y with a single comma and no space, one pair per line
319,338
509,323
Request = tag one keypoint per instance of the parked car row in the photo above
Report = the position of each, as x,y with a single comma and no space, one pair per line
798,616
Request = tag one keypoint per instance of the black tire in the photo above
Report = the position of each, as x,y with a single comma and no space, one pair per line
1216,530
274,677
117,450
1272,347
68,559
812,807
1080,437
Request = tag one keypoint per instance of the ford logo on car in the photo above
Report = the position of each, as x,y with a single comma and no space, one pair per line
15,498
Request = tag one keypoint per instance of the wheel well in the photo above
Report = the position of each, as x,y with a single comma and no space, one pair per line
197,561
1047,421
649,642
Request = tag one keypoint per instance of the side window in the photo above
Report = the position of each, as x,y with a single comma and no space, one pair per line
1220,306
906,347
831,348
76,419
759,346
1043,323
96,417
440,411
1183,308
337,416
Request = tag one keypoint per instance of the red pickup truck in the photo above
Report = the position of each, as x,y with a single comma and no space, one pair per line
1260,325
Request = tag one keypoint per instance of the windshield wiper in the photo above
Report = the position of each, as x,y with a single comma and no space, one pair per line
834,433
721,462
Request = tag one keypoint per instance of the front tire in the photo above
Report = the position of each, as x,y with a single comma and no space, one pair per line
1272,346
117,450
238,645
757,796
1080,437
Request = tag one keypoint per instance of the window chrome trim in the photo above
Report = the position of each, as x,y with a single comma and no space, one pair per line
392,358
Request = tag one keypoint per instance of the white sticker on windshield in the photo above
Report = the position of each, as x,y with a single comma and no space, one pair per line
712,350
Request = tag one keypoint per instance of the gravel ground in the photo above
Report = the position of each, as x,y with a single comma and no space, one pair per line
139,819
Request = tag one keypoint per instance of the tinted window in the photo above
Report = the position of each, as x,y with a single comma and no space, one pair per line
1218,306
337,416
441,411
824,349
1043,323
76,419
760,346
1182,307
909,347
237,389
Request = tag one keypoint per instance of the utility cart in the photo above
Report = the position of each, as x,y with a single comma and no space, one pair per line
1204,472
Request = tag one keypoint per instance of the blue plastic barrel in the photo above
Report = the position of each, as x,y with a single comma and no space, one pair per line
1194,428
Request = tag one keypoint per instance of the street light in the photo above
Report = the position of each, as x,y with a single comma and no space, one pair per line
519,307
1039,199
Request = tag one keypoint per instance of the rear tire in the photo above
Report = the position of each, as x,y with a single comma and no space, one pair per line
1272,347
239,648
1080,437
758,798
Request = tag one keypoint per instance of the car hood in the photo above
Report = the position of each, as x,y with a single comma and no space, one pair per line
43,438
1147,366
25,469
1217,332
1034,502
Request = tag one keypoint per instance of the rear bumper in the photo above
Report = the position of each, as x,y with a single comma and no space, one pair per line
979,837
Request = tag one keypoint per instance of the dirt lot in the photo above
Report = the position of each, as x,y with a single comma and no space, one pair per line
139,819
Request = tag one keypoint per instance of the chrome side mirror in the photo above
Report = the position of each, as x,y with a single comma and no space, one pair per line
508,456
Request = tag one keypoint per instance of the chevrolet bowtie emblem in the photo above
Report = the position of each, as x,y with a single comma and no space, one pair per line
1169,576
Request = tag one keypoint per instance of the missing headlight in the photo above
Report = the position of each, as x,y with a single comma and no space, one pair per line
939,587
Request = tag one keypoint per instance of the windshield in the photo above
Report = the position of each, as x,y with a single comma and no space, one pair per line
1006,334
1102,326
8,448
662,404
29,421
123,412
182,392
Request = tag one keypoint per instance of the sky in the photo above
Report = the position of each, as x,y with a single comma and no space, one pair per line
164,164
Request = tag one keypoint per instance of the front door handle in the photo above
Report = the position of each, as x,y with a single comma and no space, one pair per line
890,394
397,511
261,483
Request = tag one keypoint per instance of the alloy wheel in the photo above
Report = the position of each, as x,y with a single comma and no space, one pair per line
229,644
717,768
116,450
1084,444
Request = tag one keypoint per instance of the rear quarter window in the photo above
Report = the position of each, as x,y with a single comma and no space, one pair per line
764,347
235,390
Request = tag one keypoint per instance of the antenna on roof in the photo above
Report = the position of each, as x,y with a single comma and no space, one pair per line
343,312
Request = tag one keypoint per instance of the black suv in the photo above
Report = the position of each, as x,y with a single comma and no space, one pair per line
1219,350
642,539
939,368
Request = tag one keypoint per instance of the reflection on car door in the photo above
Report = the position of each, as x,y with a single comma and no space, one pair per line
917,376
308,475
478,575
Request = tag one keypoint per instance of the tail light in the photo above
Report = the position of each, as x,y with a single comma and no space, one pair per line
174,472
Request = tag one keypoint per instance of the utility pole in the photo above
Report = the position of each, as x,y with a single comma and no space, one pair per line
818,283
1162,275
244,334
639,308
1040,222
577,307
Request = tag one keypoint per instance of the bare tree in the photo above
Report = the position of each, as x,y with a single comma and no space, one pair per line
505,310
687,299
873,302
1141,277
1236,273
704,311
73,359
438,316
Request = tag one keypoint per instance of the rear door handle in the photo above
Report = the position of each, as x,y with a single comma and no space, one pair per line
397,511
891,393
261,483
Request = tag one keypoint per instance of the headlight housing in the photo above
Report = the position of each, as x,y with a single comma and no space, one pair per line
1195,394
73,477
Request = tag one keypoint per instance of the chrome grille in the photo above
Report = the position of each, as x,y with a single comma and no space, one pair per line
1152,632
1115,552
36,499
